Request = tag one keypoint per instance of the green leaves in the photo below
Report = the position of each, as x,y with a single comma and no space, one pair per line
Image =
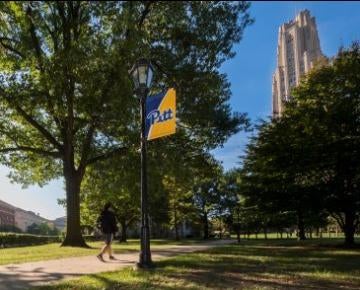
66,94
308,159
66,64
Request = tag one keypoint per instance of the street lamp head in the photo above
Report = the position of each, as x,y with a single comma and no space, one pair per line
142,73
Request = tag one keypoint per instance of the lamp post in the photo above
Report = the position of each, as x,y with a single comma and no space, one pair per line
142,73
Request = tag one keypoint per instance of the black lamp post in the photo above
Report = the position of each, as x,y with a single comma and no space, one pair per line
142,73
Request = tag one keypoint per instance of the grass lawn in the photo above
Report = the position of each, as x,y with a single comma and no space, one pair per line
271,264
54,251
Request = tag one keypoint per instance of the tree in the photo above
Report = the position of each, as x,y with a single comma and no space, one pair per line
206,194
307,161
180,202
42,229
328,102
66,99
113,180
275,176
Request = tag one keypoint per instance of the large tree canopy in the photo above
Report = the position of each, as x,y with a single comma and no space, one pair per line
307,161
66,100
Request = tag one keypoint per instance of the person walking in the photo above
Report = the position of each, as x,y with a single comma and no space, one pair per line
107,224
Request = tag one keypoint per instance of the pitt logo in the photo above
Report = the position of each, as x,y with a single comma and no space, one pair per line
155,116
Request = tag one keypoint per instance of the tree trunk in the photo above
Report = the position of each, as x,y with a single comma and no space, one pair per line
238,235
220,231
73,237
301,226
176,226
123,237
265,232
349,228
206,226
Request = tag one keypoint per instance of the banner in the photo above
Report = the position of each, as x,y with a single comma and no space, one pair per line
161,114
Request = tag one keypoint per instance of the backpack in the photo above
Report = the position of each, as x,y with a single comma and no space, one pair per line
100,222
106,222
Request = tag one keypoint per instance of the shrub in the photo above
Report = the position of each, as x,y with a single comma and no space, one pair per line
15,239
10,228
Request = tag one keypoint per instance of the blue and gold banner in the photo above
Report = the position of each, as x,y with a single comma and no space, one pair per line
161,114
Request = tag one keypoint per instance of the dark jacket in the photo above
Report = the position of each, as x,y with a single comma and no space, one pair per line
107,222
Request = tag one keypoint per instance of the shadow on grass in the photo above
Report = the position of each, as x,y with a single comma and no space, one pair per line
271,267
251,265
21,279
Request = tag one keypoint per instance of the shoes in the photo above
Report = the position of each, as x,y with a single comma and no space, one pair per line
112,258
100,257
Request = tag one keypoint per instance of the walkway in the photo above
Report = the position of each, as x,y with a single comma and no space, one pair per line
25,276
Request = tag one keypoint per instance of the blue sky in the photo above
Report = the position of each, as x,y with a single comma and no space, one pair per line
251,70
249,73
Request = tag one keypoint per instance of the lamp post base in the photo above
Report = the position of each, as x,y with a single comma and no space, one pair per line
145,253
139,266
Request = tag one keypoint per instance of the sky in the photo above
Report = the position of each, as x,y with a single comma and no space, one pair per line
249,72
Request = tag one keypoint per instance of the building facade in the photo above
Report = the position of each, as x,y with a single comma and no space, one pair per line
60,223
7,214
24,219
20,218
298,51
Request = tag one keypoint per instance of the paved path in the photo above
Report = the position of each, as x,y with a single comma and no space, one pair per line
25,276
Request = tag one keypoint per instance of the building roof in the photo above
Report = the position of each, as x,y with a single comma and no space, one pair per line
23,210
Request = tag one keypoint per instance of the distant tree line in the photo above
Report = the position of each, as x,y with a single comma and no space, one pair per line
42,229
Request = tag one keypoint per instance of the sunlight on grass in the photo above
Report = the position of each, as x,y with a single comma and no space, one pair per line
251,265
54,251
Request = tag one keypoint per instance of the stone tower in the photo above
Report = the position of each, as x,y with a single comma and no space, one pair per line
297,52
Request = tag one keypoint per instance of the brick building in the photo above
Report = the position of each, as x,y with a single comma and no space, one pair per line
7,214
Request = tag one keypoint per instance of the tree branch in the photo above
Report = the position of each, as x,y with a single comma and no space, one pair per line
33,122
107,155
10,48
339,219
35,40
40,151
145,12
86,146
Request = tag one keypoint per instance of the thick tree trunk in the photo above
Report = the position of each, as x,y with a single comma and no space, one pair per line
349,228
123,237
238,235
301,226
73,237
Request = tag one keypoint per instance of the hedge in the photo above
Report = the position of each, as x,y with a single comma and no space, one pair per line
14,239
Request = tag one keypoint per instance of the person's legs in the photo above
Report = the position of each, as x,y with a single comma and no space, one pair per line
106,247
110,238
